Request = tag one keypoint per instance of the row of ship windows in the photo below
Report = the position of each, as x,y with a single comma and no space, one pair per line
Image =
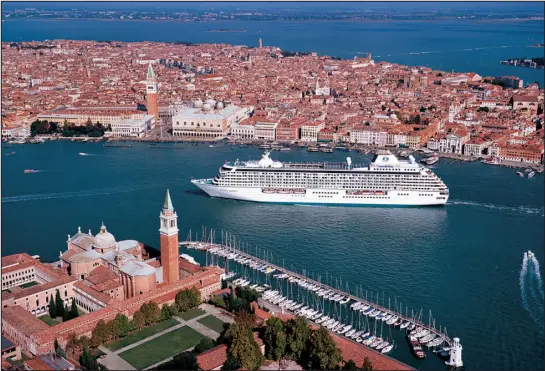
386,197
311,185
326,193
425,194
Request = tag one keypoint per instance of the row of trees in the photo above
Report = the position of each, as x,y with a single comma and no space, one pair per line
148,314
68,130
57,308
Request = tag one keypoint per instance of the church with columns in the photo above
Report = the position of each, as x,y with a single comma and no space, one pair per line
122,269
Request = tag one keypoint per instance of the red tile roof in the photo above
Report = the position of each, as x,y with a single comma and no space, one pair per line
212,358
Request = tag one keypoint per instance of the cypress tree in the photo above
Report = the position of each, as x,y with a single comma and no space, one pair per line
65,313
59,304
74,310
52,308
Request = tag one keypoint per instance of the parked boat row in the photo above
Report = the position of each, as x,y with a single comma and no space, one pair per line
324,304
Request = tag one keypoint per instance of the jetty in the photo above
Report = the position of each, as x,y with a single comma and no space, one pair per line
228,251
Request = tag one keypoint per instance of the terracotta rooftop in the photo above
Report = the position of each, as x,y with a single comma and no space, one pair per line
45,286
23,320
212,358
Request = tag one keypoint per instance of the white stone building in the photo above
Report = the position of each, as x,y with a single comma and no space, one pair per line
207,119
134,128
265,130
241,131
310,130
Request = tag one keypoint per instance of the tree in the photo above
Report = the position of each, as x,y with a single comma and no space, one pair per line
246,318
367,365
194,297
231,364
138,320
383,107
72,344
151,312
56,344
84,357
422,109
243,348
482,109
122,325
59,304
350,365
218,302
186,361
99,334
109,333
166,312
298,334
323,352
65,313
52,307
275,339
203,345
74,310
182,300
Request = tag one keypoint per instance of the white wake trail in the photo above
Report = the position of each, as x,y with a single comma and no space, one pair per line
538,275
522,277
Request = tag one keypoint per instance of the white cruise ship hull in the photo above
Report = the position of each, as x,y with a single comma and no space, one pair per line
326,196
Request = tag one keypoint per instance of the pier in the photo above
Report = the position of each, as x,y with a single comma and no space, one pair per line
227,252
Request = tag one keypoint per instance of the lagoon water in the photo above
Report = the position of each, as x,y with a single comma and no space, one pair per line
464,46
462,261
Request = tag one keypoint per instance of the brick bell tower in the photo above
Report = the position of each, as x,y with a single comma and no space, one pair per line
169,241
152,91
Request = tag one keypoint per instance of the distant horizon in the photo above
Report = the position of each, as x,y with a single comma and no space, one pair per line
511,6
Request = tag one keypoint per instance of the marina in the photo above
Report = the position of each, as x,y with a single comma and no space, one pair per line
323,303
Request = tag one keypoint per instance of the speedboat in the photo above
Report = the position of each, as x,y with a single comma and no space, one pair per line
530,254
520,174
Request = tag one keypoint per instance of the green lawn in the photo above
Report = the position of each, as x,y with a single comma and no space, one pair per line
192,313
28,284
50,321
161,348
141,334
212,323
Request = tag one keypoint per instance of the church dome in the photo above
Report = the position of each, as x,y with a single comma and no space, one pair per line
206,107
219,105
104,240
197,103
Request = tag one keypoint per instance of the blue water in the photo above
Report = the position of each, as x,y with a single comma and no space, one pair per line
448,45
463,261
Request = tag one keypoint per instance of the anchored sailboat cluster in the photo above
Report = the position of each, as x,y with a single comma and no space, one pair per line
337,310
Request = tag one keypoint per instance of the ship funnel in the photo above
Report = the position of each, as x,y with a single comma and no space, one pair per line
411,159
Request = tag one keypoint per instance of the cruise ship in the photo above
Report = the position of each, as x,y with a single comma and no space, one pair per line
385,181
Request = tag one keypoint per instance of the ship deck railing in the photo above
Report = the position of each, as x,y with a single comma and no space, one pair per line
307,165
207,246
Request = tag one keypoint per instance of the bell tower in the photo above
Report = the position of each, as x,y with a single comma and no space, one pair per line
169,241
152,91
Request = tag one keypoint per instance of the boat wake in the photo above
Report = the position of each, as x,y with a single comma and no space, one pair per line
513,209
528,287
86,193
537,274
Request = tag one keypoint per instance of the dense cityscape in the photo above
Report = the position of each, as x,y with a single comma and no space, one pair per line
92,112
264,93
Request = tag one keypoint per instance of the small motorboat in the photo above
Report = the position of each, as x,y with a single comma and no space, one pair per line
531,174
30,171
83,154
520,174
10,154
530,254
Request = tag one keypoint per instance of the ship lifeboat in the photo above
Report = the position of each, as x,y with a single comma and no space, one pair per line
299,191
268,190
284,191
